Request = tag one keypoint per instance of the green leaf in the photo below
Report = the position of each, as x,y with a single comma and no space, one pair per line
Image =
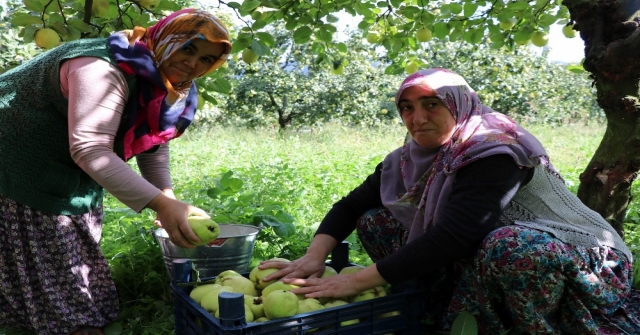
285,229
24,19
79,24
242,42
473,36
546,19
440,30
34,5
228,182
323,35
214,192
518,5
266,38
291,24
221,85
575,68
332,18
302,35
470,8
464,324
455,8
234,4
260,48
305,19
259,24
248,6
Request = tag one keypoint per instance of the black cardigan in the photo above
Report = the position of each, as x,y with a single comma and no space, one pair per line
481,191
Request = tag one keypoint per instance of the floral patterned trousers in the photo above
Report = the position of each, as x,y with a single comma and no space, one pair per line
524,281
54,278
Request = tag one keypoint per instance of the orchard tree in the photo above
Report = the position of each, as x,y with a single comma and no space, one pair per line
609,29
519,83
285,89
288,88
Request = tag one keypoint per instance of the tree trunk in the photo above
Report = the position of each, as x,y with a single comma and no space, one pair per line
610,31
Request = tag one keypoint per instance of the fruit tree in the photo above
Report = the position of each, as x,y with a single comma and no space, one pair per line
608,27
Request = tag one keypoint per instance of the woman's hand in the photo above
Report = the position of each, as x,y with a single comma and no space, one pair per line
172,216
169,193
303,267
309,265
338,286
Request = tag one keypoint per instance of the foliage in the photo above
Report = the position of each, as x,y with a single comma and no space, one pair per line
520,83
309,23
397,21
305,172
289,89
13,51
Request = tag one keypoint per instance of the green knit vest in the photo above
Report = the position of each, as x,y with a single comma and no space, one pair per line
36,168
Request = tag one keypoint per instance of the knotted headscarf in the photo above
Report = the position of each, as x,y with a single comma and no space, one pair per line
416,182
162,111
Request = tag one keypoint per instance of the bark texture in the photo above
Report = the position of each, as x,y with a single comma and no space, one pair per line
610,30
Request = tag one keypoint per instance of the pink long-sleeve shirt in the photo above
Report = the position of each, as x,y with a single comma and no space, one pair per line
97,92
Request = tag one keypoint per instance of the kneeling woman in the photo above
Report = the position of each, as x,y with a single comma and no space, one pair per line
471,205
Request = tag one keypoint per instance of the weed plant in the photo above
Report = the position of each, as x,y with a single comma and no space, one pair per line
300,173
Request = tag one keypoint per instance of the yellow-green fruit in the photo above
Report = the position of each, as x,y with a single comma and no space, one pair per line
411,67
205,228
279,286
373,37
280,304
47,38
255,304
424,35
224,274
248,56
210,299
337,70
201,101
240,284
257,275
328,272
350,269
309,305
372,293
508,24
339,302
539,39
199,291
568,31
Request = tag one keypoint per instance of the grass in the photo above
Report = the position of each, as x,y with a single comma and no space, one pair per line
304,172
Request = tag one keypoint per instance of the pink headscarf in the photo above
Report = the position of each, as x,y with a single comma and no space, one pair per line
416,182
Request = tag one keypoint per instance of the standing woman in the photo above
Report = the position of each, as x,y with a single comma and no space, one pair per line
70,119
473,208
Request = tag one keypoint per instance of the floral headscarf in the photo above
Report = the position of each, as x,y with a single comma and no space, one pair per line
416,182
162,111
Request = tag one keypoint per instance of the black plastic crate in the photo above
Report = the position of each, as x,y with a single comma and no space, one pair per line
407,300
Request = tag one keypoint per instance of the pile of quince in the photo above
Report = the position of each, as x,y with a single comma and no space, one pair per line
264,301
